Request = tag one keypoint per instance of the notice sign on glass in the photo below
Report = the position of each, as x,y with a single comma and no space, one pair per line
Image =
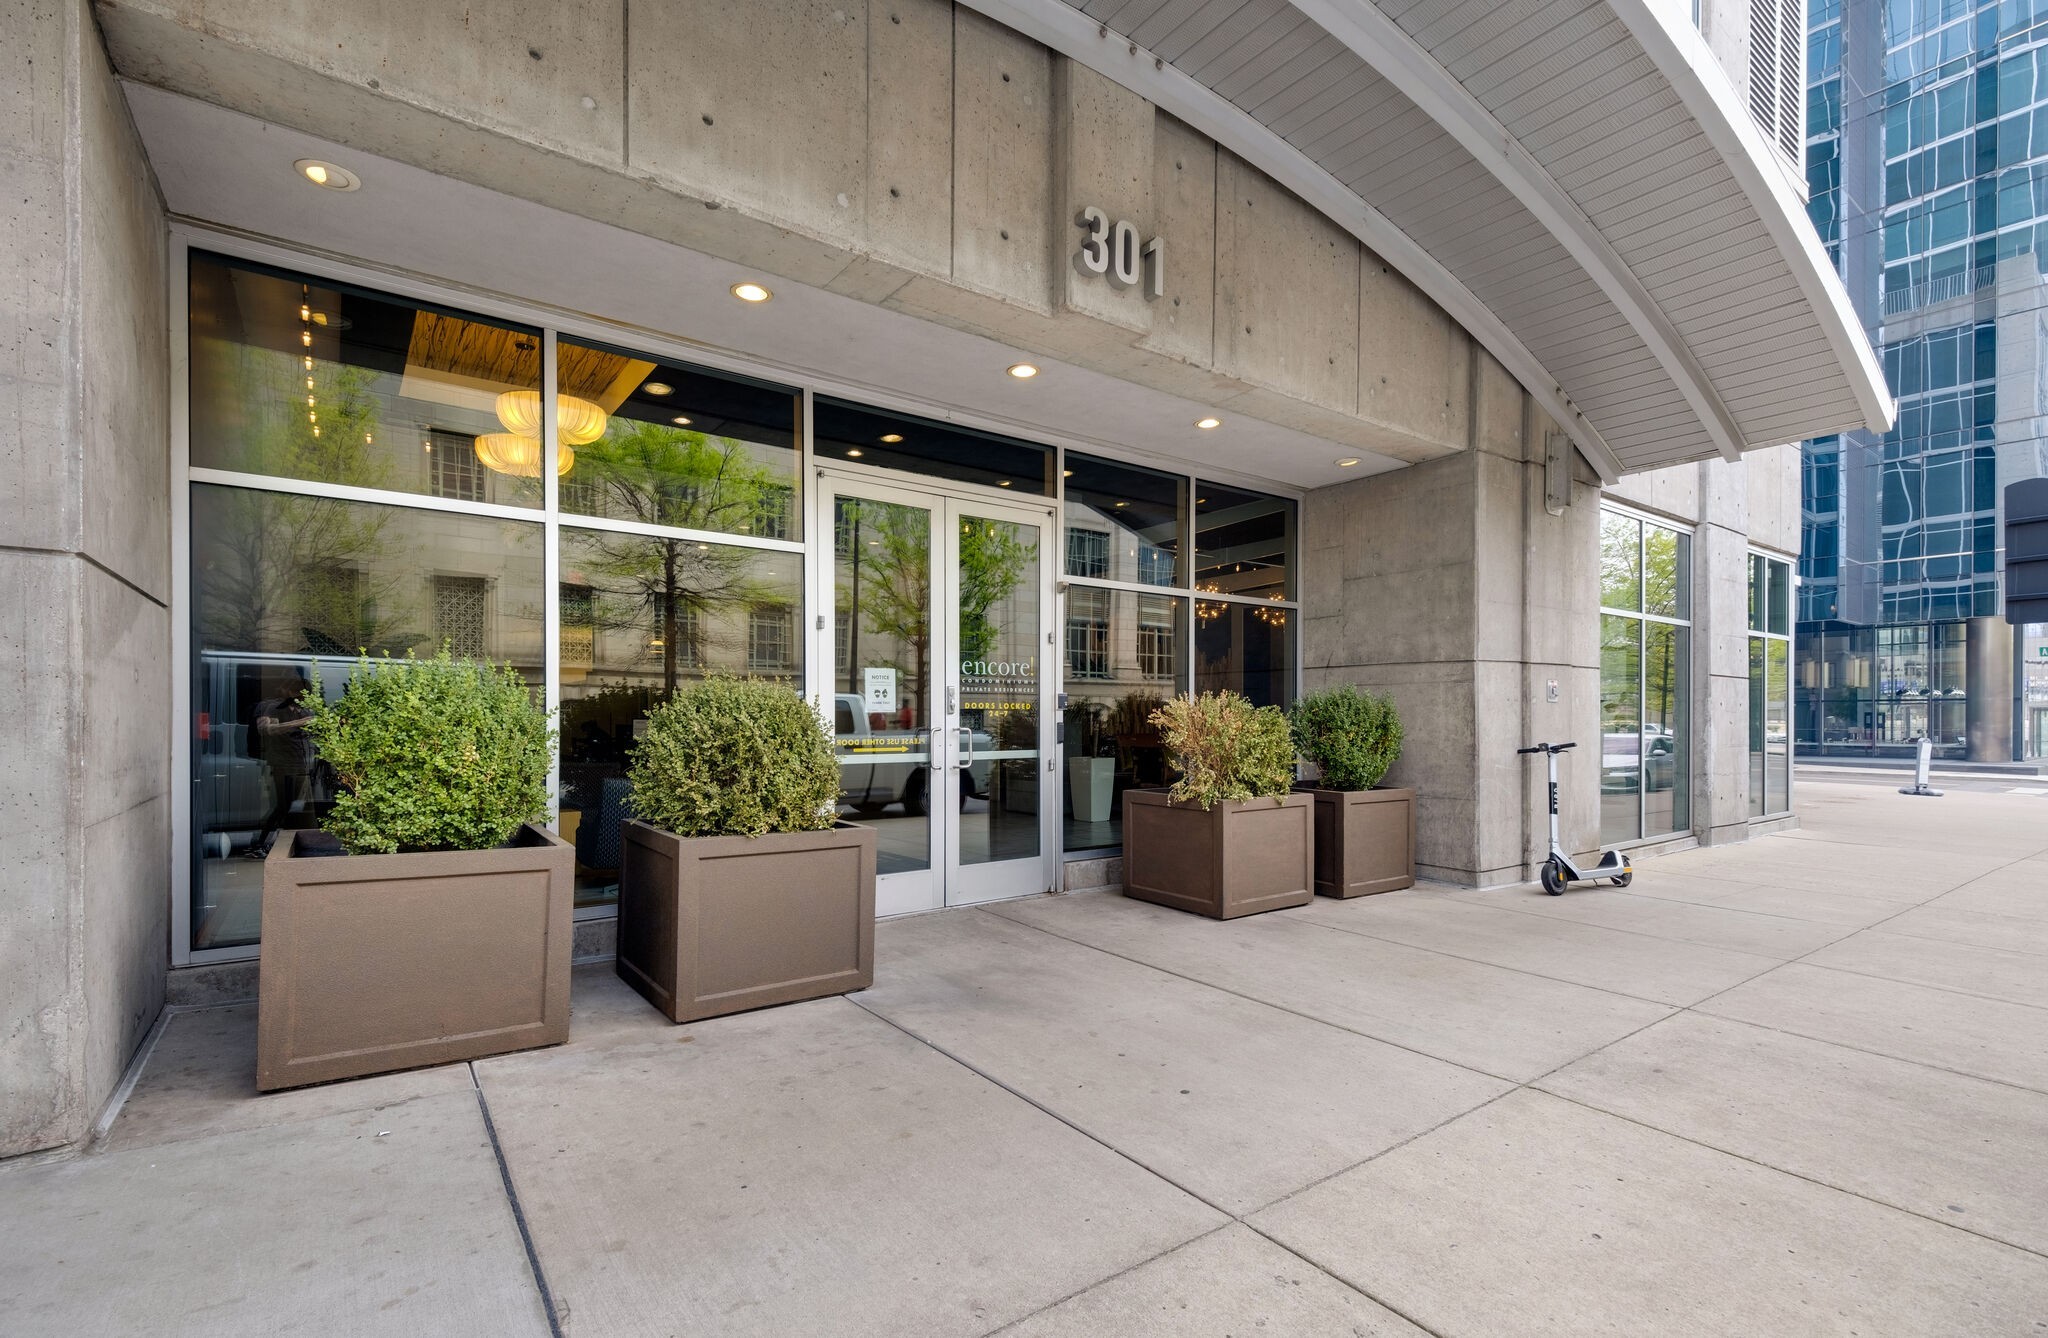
880,684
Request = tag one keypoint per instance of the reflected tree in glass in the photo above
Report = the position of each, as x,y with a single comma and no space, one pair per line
669,476
1621,563
993,558
889,583
289,572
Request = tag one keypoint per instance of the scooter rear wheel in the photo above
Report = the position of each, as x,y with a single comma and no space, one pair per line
1625,879
1552,878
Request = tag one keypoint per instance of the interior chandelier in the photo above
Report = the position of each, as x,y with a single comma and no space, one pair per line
578,422
510,453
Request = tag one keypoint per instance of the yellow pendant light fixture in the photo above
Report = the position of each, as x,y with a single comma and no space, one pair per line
577,421
511,453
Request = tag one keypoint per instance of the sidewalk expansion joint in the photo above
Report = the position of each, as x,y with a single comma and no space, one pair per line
540,1277
1235,1219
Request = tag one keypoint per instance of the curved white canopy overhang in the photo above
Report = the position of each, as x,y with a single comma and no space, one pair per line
1575,181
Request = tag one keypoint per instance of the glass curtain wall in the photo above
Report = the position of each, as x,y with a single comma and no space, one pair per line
1244,546
1770,685
1125,636
366,480
1927,163
2033,690
1172,583
1645,679
679,454
368,474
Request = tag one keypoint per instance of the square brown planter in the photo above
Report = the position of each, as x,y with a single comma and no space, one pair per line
1365,841
372,963
710,925
1234,859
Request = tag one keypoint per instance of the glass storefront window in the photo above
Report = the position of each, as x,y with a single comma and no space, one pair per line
665,444
305,379
885,440
1645,679
1124,659
2033,677
640,616
1621,728
1123,523
1247,648
1667,573
1244,542
1667,734
1621,561
288,590
1770,685
436,416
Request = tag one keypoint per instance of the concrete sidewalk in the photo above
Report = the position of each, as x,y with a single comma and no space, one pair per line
1795,1086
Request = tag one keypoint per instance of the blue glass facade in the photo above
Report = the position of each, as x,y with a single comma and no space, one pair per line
1927,172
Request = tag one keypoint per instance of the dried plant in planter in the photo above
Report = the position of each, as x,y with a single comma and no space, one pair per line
1232,837
1226,748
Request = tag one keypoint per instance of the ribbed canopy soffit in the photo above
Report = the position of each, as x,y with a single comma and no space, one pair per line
1576,182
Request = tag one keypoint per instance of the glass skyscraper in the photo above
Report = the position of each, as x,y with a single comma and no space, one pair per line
1927,167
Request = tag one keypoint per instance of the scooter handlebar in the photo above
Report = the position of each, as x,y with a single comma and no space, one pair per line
1547,748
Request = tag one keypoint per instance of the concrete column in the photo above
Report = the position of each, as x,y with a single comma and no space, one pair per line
1448,587
1720,654
1987,677
84,580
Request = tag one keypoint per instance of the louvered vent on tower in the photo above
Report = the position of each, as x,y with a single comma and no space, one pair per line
1777,74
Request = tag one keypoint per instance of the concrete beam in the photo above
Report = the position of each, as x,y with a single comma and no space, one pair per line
905,156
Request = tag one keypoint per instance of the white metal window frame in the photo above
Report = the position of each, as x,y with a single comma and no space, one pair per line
1645,518
1791,566
555,324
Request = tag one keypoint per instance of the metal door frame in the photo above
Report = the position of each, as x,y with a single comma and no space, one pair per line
946,881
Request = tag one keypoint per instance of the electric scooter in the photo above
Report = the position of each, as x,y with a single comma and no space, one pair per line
1558,872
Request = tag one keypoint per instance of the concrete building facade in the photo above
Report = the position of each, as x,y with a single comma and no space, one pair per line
986,371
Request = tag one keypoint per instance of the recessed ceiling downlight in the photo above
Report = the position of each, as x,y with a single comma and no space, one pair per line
1347,461
1207,423
1023,371
750,292
327,175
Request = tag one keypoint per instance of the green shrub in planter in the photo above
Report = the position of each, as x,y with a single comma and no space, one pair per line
1351,736
1226,748
735,757
439,754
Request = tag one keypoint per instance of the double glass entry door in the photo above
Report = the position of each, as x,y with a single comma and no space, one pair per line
939,636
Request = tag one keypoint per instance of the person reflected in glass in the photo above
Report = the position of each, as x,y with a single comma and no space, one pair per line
285,747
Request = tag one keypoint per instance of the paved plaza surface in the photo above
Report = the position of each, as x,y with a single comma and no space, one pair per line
1792,1087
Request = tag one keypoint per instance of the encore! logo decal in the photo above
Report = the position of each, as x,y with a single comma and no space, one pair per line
999,685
